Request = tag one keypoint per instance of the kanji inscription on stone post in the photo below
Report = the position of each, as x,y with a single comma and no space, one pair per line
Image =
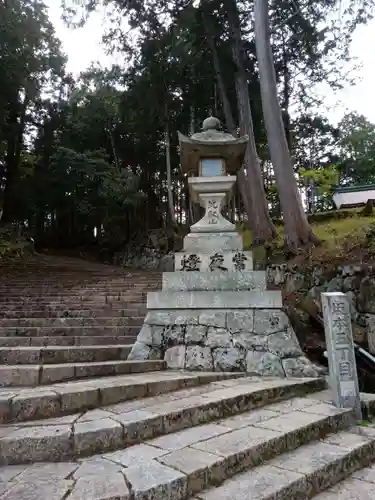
340,350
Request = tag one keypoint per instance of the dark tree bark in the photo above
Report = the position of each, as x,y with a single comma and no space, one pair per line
298,232
167,141
286,99
251,176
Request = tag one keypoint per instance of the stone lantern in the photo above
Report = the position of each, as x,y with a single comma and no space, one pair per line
214,312
211,159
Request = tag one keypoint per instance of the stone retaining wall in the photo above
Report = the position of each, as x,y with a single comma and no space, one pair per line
357,281
259,341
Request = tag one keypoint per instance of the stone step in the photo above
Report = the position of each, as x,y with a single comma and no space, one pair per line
30,283
34,375
80,321
63,312
304,472
66,341
62,354
26,281
70,298
103,284
20,405
68,305
71,331
118,426
359,486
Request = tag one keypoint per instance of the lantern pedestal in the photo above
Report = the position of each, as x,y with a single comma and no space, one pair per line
214,313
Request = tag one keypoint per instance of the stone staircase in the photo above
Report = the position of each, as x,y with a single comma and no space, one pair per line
177,435
140,432
63,319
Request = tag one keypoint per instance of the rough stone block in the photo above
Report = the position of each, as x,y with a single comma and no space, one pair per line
156,353
135,455
145,335
265,482
139,351
37,491
5,408
299,367
242,445
74,398
28,406
157,336
97,436
218,337
57,373
249,341
83,370
270,321
95,466
284,344
240,321
174,335
19,376
252,417
229,359
201,468
209,318
198,358
175,357
179,440
167,318
101,487
264,363
140,424
195,334
50,443
44,473
19,355
156,481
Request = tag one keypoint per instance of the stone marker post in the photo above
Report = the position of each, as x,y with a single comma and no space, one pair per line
340,350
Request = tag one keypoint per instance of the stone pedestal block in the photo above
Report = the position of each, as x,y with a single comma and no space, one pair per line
214,281
214,300
210,242
216,261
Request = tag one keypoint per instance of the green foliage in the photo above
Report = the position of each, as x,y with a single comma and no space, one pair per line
86,156
324,179
357,142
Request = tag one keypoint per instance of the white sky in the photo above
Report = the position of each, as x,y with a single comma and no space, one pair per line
83,46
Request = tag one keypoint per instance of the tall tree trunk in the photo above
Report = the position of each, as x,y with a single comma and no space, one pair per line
286,98
251,177
297,229
169,173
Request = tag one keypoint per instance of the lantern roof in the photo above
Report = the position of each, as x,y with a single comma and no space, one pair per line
212,142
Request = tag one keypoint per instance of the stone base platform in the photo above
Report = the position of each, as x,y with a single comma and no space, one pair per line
257,341
214,313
